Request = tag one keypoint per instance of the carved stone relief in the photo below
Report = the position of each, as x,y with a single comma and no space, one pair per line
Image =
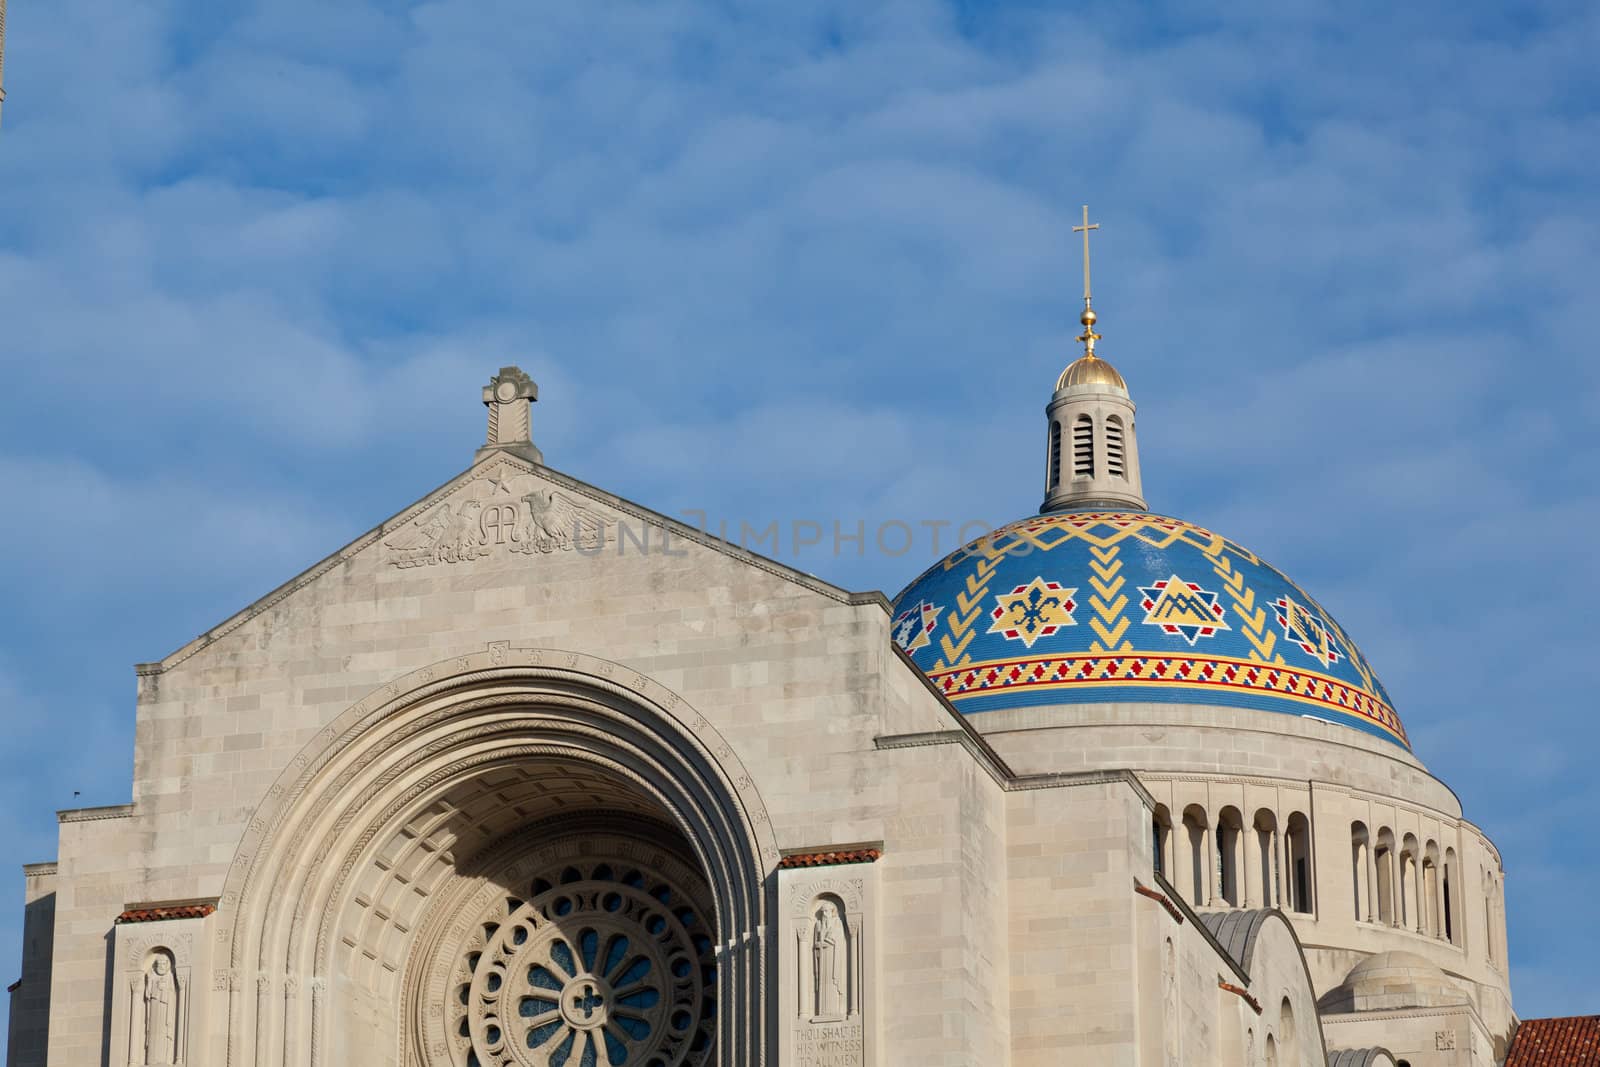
160,1042
831,971
828,966
157,1002
508,511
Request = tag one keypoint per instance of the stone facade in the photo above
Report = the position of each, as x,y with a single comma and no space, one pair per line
530,772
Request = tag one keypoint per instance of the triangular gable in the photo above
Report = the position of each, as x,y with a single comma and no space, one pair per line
504,505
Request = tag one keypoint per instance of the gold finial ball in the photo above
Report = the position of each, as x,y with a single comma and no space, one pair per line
1088,318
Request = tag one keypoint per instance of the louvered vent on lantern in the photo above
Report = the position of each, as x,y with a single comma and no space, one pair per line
1083,446
1115,464
1055,454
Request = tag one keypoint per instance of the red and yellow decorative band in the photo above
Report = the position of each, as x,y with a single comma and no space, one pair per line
1215,675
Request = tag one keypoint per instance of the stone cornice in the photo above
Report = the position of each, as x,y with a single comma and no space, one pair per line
1319,732
985,756
1222,777
1442,1011
40,870
1007,779
1067,779
114,811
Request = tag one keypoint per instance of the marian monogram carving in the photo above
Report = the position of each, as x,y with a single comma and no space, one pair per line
537,521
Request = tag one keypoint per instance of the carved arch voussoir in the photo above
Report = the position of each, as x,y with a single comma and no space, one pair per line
489,682
460,673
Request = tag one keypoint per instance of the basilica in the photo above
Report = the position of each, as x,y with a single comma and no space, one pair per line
531,775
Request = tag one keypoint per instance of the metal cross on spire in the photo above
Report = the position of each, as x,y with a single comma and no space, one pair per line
1088,336
1084,229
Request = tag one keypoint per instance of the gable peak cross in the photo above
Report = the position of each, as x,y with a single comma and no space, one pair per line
509,396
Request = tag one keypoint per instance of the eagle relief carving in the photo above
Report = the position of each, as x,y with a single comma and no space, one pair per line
538,522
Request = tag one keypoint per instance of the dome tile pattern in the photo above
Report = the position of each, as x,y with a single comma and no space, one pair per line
1090,607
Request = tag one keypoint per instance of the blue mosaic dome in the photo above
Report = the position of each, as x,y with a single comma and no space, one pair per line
1092,607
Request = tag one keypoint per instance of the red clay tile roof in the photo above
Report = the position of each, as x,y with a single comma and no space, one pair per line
1570,1042
181,911
1242,993
1160,898
829,859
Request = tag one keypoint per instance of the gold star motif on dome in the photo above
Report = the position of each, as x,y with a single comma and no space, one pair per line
1029,612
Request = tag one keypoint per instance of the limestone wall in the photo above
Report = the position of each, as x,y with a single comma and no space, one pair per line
1260,770
30,1001
1071,854
797,678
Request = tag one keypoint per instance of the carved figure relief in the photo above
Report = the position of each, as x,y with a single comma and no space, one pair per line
830,965
539,522
557,523
160,1012
827,980
153,1008
157,1006
441,535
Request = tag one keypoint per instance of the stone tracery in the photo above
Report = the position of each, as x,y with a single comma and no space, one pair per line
608,961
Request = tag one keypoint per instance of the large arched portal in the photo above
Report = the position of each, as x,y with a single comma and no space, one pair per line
497,864
572,926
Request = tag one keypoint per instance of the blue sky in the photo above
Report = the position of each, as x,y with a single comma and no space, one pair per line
814,262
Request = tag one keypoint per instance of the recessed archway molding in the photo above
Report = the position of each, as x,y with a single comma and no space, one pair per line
399,750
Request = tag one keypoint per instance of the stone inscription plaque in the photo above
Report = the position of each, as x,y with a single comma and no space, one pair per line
828,966
830,1045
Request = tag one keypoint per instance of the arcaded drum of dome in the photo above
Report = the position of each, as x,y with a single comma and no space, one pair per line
1089,607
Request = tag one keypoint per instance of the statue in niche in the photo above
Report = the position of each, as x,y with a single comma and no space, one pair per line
829,964
160,1014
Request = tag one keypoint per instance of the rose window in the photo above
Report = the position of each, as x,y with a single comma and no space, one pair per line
604,965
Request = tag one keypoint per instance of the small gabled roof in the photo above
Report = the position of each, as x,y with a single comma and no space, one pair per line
1573,1041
